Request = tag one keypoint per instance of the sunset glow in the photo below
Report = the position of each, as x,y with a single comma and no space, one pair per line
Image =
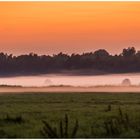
70,27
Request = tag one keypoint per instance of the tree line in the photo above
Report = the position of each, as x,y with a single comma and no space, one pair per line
127,61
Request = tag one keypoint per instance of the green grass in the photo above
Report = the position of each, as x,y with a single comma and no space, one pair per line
26,113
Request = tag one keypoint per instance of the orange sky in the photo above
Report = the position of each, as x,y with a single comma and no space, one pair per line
70,27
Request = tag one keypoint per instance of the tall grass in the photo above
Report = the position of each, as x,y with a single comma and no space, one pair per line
113,127
62,131
120,126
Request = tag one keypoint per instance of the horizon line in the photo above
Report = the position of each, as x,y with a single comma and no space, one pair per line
69,0
69,54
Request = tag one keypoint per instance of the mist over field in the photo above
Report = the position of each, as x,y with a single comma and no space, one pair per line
72,80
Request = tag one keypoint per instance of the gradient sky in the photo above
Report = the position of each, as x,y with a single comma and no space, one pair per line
70,27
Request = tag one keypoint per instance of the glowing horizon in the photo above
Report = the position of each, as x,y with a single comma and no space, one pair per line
69,27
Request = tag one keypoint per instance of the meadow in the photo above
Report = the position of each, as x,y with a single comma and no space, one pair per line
70,115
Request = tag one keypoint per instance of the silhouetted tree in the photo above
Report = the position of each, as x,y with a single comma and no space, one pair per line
129,52
101,53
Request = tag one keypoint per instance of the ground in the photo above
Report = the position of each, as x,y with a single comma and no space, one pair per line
22,115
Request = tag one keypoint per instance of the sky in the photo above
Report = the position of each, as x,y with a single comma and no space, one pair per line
69,27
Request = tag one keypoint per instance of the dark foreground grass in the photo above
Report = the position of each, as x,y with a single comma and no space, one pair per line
68,115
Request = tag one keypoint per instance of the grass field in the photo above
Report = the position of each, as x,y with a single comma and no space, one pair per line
99,115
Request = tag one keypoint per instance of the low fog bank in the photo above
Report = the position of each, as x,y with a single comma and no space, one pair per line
69,89
72,81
